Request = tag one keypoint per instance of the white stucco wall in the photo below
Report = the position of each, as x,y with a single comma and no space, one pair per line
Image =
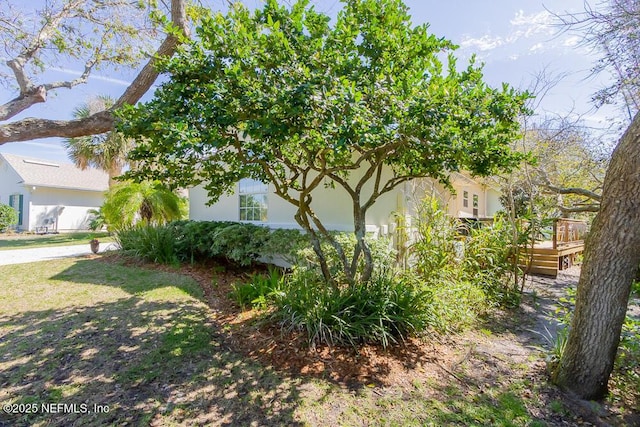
493,202
62,209
332,206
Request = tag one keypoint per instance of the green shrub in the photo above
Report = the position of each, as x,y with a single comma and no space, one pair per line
482,259
287,244
382,251
194,239
433,253
153,243
488,262
239,243
456,305
8,217
386,310
259,291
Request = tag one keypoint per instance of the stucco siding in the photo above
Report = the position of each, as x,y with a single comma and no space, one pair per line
332,205
62,209
493,202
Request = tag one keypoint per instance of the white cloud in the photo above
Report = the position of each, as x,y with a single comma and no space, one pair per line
530,25
483,43
539,20
571,41
522,26
536,48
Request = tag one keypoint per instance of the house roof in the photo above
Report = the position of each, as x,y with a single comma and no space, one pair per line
45,173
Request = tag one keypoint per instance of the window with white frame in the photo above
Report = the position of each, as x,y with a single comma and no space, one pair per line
253,200
465,199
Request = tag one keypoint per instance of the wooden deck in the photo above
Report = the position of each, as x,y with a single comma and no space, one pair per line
549,257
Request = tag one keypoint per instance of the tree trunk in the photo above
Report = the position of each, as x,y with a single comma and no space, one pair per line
360,232
300,218
612,257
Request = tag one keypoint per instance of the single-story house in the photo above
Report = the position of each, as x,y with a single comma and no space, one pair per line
50,196
256,202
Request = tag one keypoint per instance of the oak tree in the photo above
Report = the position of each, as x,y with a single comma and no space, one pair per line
612,250
91,34
611,260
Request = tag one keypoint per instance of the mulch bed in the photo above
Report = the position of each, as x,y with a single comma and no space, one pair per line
437,357
248,333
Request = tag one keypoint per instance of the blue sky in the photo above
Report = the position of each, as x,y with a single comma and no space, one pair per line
515,40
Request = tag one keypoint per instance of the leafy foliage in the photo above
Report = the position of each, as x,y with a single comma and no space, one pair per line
383,254
106,151
148,202
241,244
384,311
466,275
98,221
153,243
281,96
488,261
8,217
259,291
434,249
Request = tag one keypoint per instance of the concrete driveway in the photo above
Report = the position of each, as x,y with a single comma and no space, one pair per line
21,256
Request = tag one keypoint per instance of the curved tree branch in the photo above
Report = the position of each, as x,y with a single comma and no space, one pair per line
34,128
573,190
546,183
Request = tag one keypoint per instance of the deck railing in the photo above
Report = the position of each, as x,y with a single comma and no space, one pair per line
567,231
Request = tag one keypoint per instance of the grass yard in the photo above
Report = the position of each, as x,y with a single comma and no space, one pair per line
24,241
146,347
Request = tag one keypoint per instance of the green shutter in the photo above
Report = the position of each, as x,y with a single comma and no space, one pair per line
17,205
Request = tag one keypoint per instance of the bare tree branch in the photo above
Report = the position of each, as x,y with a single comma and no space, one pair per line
579,209
573,190
34,128
546,183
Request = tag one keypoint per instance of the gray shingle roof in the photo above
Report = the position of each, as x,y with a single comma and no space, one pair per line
45,173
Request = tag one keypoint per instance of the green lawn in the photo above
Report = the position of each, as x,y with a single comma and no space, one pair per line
24,241
145,346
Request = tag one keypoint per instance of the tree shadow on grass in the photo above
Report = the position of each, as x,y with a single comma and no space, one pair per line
260,340
147,361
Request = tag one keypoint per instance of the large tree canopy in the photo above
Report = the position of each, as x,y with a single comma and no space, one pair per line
282,96
90,33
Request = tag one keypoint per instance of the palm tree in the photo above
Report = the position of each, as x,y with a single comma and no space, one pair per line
148,202
107,151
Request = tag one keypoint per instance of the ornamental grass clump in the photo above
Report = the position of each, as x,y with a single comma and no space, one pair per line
384,311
